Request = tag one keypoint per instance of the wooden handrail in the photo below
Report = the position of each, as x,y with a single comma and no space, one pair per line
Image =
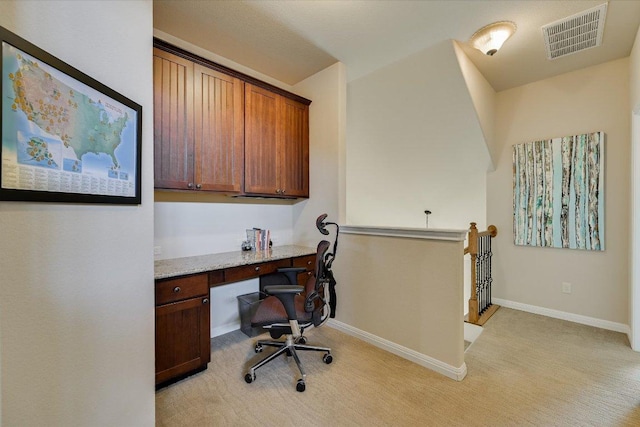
492,231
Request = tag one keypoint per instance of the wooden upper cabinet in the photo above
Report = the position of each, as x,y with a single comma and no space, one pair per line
261,155
294,148
216,129
219,131
276,144
199,126
173,120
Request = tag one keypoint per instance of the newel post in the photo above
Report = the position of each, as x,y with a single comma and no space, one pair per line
473,251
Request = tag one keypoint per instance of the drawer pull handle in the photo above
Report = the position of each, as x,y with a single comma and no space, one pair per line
257,268
176,289
205,301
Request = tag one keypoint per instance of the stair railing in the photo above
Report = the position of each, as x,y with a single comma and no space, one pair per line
480,306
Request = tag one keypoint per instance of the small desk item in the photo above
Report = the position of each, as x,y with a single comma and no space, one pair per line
182,301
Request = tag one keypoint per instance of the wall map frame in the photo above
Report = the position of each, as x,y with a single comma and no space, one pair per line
65,136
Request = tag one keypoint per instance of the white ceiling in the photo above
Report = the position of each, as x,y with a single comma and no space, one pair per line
292,40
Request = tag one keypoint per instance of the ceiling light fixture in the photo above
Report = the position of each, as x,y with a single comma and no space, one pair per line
490,38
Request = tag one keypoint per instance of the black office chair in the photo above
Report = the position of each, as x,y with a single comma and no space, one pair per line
289,309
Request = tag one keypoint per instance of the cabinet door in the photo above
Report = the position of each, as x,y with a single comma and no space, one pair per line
182,338
293,143
173,120
260,175
219,131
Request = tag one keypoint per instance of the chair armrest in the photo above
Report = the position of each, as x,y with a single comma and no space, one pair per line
291,269
291,273
283,289
286,295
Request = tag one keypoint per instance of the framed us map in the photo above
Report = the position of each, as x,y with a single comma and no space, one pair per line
65,136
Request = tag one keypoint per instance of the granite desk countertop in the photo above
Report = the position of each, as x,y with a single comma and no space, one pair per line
198,264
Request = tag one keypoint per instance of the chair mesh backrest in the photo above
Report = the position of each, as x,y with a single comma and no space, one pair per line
315,283
319,273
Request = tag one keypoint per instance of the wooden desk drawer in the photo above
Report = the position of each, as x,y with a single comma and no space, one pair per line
179,288
305,262
245,272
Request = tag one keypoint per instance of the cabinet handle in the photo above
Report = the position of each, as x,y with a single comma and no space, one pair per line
190,185
205,301
198,186
257,268
176,289
309,273
309,262
282,191
278,191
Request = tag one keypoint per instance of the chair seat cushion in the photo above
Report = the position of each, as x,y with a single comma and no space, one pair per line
272,311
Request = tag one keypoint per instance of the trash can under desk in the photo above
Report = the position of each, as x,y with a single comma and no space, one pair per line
247,306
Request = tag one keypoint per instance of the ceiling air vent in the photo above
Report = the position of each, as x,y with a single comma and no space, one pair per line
575,33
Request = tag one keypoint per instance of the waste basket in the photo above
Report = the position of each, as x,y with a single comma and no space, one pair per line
247,306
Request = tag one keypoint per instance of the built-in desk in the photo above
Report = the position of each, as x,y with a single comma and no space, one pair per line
182,301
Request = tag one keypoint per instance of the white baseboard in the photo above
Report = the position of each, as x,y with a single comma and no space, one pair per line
224,329
571,317
421,359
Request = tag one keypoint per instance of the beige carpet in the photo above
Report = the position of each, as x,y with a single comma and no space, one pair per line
524,370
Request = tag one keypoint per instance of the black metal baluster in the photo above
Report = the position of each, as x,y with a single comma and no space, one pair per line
484,284
487,271
479,276
481,245
490,272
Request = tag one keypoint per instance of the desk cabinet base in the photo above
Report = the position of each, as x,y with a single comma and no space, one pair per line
182,339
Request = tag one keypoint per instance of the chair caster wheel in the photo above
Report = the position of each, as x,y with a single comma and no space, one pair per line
258,348
300,386
302,340
327,358
250,378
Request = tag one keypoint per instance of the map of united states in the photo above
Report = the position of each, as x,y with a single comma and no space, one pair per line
80,122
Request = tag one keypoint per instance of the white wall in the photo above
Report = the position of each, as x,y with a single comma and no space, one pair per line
483,97
414,143
635,72
76,292
327,124
587,100
403,294
634,292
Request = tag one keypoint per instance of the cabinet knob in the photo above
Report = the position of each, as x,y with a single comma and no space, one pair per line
176,289
282,191
190,185
205,300
257,268
309,262
198,186
309,273
278,191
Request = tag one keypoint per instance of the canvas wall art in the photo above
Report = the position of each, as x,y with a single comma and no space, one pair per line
558,192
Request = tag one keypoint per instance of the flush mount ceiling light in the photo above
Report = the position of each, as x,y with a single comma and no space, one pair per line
490,38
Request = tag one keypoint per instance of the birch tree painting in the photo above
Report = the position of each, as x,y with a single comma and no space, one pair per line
558,192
